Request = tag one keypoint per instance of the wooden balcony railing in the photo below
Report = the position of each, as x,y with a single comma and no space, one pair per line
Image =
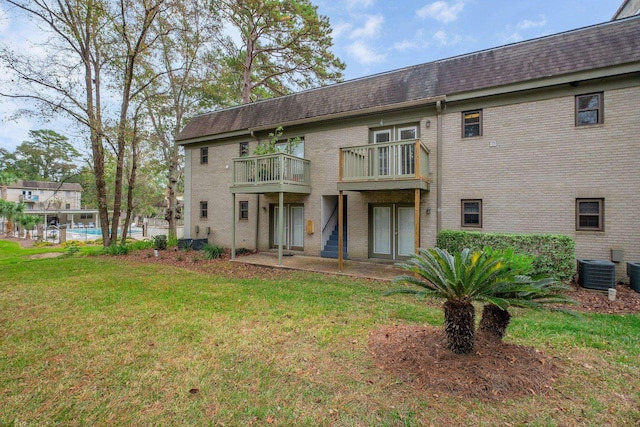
271,173
364,165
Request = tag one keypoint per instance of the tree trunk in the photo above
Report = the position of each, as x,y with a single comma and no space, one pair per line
459,326
494,322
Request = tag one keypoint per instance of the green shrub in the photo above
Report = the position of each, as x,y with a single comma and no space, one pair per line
138,245
172,241
554,255
116,250
71,249
160,242
212,251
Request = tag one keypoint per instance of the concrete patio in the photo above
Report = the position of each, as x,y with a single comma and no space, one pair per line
373,270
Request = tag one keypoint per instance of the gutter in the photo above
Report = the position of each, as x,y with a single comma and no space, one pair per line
439,108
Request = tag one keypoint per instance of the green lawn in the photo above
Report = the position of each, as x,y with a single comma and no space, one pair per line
96,341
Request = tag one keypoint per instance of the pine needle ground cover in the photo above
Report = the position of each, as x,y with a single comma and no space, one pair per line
111,341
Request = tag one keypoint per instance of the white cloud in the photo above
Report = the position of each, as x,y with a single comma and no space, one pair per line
339,29
526,24
352,4
441,11
445,39
371,28
513,33
405,45
364,53
417,42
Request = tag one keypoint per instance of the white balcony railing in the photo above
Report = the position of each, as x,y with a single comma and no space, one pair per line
387,161
277,168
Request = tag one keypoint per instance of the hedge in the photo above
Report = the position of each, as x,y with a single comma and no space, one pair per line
554,254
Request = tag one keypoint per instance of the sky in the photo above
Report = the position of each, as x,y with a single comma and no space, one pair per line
374,36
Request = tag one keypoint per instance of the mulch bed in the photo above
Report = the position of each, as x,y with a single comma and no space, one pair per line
494,371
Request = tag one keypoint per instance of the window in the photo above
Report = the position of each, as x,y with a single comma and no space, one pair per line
589,109
204,208
293,147
590,214
407,133
204,155
244,149
67,206
472,213
244,210
471,123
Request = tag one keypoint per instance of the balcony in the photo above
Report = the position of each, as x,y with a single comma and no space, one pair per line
271,173
28,198
387,166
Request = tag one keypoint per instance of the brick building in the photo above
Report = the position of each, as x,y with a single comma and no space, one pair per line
533,137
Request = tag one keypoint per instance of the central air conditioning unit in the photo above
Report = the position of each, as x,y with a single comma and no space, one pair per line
596,274
633,271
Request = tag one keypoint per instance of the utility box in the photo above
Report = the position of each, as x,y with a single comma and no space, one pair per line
617,255
633,271
596,274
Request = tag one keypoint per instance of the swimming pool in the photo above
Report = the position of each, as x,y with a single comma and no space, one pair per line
98,231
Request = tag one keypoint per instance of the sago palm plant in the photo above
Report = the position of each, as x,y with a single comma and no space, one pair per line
524,292
460,280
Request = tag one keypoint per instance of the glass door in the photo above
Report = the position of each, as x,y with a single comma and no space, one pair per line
293,226
276,217
381,234
297,227
405,230
391,231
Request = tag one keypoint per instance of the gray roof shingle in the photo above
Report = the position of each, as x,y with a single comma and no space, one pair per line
604,45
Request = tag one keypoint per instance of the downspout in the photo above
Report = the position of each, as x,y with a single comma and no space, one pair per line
439,108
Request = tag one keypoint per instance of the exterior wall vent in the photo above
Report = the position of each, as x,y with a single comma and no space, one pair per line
596,274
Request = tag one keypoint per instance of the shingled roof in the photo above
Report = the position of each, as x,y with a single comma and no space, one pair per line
590,48
45,185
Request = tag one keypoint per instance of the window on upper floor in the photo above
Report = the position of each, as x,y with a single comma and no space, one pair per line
204,155
471,123
471,213
294,147
244,149
590,214
204,209
244,210
394,133
590,109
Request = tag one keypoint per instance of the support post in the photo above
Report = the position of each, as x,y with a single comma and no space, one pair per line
416,222
340,230
280,226
233,226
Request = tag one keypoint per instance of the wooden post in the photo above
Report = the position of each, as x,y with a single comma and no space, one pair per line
233,226
340,166
340,230
280,226
416,222
416,158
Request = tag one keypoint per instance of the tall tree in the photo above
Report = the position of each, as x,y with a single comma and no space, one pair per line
184,57
90,40
285,46
46,156
6,178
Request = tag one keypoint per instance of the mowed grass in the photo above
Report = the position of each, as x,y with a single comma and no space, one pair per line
98,341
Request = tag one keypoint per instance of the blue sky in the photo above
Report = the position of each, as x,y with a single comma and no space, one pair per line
373,36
